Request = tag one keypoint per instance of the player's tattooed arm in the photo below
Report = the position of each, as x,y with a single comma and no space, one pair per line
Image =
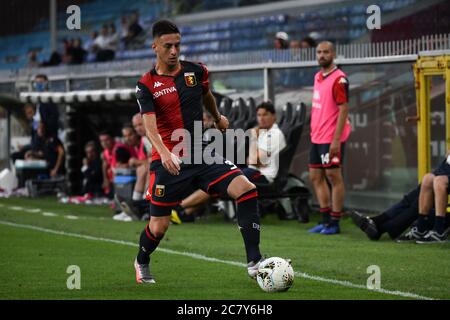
210,105
169,161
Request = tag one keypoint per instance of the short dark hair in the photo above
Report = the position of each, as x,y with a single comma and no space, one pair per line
122,155
105,133
90,144
266,105
310,41
41,75
128,126
162,27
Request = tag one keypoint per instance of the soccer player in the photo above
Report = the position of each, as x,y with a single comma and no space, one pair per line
170,98
330,130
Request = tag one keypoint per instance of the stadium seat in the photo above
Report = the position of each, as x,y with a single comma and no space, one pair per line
242,114
285,119
251,119
234,112
124,180
288,192
225,107
287,185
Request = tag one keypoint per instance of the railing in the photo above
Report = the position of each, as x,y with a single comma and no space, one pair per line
404,50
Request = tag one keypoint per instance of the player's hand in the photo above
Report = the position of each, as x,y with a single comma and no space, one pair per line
171,163
53,172
335,150
222,124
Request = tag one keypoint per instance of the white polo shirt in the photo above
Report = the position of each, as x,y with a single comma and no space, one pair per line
271,141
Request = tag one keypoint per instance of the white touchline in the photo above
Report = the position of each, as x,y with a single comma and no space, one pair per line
205,258
49,214
17,208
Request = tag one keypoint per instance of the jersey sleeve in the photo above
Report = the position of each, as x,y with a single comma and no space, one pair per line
205,79
144,99
340,90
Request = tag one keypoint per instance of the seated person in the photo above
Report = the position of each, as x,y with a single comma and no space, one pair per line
139,160
109,146
266,143
92,171
434,189
416,205
122,156
49,148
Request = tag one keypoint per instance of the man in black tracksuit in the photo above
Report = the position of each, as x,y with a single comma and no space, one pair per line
399,217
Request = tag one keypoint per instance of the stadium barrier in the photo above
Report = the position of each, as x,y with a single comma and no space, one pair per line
380,167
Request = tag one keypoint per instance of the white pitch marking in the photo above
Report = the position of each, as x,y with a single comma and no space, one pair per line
33,210
16,208
205,258
49,214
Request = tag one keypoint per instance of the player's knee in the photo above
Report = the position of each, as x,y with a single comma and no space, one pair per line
158,227
159,230
440,182
239,186
427,180
315,178
333,176
245,188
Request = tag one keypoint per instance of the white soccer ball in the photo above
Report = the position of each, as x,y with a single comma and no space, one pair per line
275,274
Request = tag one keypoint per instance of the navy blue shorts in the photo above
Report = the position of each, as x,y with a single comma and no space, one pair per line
166,190
319,156
443,169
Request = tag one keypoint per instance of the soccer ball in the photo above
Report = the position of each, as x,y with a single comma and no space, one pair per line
275,274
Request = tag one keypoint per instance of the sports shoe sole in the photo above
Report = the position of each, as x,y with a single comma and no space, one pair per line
141,281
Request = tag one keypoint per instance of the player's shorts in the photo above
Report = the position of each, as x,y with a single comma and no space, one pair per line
167,191
254,175
319,156
443,169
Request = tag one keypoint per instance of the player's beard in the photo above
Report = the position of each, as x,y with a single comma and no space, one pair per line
325,64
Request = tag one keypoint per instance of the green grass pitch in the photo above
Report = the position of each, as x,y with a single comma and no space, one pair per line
37,247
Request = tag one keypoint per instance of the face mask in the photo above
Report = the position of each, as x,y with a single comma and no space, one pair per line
448,159
39,86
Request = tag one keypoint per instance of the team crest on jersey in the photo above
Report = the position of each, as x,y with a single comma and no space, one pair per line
190,79
159,190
